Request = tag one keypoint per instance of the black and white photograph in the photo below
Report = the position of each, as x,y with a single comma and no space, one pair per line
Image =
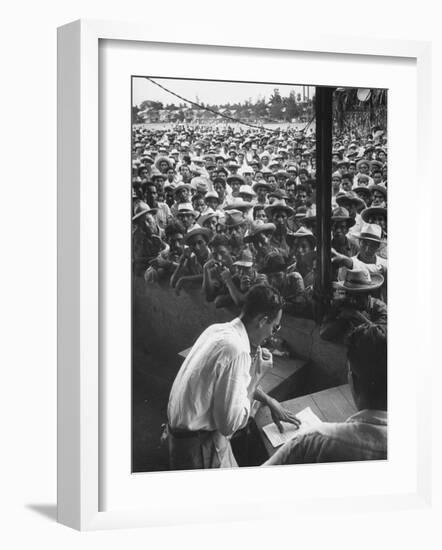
259,273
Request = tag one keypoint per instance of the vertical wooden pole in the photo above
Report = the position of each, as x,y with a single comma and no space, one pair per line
324,125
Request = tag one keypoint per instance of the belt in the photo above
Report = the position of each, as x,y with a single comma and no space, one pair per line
182,433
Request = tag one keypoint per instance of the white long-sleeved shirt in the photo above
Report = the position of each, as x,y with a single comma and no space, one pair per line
210,390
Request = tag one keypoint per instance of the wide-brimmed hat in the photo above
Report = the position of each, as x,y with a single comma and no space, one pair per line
261,183
302,233
341,214
198,230
278,204
363,161
234,218
181,186
274,262
381,188
141,209
373,211
258,227
376,164
361,280
281,173
163,159
247,190
361,189
187,208
208,215
239,204
343,198
200,183
211,195
370,232
245,259
235,177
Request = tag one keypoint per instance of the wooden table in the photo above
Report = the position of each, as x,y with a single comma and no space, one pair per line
277,380
332,405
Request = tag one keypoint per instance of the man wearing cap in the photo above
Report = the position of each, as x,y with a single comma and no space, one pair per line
163,266
277,213
163,213
146,238
341,223
363,436
212,395
357,307
235,224
189,271
370,239
260,236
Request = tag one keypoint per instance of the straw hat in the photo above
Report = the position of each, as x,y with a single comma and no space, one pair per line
208,215
361,280
245,259
370,232
238,204
187,208
279,204
141,209
197,230
302,233
341,214
234,218
373,211
259,227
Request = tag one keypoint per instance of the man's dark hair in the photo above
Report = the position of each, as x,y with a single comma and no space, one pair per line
219,240
262,299
367,355
174,227
303,187
347,176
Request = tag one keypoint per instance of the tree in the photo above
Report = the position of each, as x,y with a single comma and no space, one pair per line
276,105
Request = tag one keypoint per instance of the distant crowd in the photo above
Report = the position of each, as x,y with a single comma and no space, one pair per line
223,209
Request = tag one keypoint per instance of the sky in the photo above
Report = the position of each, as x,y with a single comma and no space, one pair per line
211,92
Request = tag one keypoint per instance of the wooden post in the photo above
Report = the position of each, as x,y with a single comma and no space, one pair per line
324,125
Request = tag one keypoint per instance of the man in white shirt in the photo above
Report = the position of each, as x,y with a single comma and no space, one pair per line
212,395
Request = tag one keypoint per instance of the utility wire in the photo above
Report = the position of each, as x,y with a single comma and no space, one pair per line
212,110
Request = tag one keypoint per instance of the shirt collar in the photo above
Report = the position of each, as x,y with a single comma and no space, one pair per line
370,416
238,325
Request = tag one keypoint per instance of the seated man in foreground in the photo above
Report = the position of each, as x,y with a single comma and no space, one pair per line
364,435
213,393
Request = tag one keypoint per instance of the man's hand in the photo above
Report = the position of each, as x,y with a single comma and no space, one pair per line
280,414
341,260
225,275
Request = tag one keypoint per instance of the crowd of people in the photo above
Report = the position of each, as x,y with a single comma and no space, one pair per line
222,208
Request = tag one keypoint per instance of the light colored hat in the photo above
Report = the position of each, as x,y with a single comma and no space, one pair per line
278,204
261,183
211,195
239,204
245,259
247,190
361,280
163,159
303,233
341,214
208,215
187,208
234,218
370,232
258,227
183,186
141,209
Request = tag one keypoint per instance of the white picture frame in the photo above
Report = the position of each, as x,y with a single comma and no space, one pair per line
79,292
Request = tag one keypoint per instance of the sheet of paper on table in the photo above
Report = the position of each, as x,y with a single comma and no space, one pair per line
308,420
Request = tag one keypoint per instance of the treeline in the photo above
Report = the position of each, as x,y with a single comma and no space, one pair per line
277,108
